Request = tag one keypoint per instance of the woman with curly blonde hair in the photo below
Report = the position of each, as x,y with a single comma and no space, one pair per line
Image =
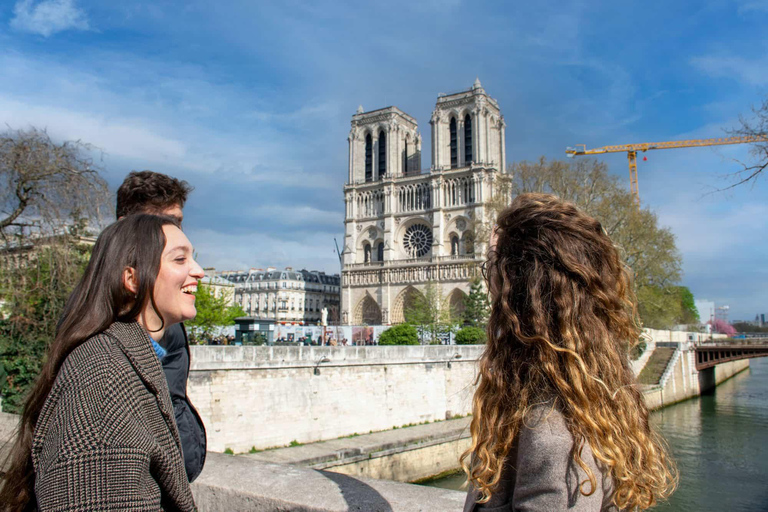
559,422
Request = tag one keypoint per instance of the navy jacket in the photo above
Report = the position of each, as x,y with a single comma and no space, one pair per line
191,428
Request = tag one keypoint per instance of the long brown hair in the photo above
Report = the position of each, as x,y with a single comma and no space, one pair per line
98,300
563,318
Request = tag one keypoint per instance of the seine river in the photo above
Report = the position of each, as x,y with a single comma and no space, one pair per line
720,445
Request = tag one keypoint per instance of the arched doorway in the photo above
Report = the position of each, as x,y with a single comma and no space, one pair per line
404,301
367,312
457,302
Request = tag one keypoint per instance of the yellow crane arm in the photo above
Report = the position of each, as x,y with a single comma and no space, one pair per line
581,149
632,149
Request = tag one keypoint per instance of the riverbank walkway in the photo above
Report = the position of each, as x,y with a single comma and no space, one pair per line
364,447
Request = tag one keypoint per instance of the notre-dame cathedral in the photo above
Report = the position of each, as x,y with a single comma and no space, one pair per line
406,226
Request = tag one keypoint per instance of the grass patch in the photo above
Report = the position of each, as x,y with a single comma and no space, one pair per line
655,366
229,451
295,443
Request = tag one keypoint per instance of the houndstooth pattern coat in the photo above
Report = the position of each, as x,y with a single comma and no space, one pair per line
106,438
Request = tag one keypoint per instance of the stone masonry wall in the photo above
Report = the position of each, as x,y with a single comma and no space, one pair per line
265,397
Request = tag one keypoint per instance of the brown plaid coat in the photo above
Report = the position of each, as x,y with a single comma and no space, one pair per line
106,438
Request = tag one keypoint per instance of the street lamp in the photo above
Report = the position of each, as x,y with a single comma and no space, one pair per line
455,356
321,361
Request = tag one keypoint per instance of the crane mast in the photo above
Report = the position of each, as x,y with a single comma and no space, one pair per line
632,149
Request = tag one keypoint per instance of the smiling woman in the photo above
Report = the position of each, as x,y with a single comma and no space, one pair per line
100,415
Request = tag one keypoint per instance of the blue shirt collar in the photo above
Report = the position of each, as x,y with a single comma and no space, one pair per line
159,350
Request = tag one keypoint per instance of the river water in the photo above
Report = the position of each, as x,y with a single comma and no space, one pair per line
720,445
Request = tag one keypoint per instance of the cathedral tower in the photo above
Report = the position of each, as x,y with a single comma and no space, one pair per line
406,226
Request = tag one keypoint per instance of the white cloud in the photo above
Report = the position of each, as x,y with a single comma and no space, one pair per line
48,17
120,137
752,6
315,251
752,72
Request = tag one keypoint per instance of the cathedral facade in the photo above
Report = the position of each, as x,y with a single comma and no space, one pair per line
408,227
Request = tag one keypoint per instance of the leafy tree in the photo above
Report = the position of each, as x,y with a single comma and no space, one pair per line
470,336
256,338
212,312
663,308
403,334
34,302
647,248
430,312
689,314
477,307
50,192
637,350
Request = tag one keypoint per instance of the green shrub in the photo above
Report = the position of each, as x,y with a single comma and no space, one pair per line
637,351
403,334
229,451
470,336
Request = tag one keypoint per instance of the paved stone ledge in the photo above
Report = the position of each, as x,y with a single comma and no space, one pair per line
229,483
346,450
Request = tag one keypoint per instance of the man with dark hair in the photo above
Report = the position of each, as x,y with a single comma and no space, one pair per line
155,193
152,192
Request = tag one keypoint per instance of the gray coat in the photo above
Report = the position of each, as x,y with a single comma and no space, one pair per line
540,475
106,438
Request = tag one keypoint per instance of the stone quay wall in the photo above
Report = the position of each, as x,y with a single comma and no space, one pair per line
682,380
267,397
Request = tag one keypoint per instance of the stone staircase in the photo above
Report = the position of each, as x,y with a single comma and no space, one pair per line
656,365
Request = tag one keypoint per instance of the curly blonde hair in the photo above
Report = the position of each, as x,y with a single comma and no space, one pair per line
562,321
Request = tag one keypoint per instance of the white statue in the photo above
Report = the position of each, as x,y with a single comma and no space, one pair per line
324,316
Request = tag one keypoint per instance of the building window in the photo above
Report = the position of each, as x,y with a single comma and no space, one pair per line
417,240
454,145
382,154
468,139
454,245
379,253
368,158
367,253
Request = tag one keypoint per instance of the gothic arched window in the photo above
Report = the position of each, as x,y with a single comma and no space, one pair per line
368,157
380,252
467,139
367,253
454,145
382,154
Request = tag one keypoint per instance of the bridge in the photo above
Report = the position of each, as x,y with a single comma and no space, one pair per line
710,354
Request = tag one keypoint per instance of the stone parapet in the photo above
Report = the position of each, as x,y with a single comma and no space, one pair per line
237,483
213,357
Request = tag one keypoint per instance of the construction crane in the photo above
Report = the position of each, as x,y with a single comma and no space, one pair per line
632,149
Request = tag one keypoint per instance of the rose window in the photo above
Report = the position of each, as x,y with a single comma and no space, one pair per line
417,240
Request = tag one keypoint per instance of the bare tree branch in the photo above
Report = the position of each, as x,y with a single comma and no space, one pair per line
44,182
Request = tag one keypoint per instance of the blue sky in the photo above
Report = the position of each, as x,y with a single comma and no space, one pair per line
250,102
